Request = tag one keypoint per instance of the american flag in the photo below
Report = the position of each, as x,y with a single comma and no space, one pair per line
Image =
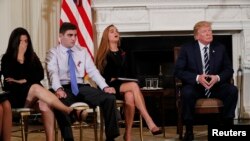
78,12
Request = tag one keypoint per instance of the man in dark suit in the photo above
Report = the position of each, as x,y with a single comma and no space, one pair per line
205,75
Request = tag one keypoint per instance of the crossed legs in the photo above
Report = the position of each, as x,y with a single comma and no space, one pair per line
38,92
134,98
47,100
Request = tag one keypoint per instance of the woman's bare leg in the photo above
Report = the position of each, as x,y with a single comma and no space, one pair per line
48,120
129,111
7,121
38,92
139,102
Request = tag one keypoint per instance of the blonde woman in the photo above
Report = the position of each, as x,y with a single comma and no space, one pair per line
110,60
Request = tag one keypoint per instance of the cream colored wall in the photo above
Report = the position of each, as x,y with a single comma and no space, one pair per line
4,24
39,17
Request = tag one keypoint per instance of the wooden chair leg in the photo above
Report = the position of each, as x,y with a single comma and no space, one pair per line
80,130
95,124
101,125
24,127
180,129
56,130
141,128
179,113
180,124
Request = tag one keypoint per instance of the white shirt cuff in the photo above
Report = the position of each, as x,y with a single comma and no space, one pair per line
197,78
218,78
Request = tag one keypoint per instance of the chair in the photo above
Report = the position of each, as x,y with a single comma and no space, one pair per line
120,104
25,114
81,125
202,106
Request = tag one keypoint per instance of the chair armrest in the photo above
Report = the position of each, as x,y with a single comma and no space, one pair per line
178,83
232,80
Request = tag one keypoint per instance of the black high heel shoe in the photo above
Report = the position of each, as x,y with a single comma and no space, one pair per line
157,132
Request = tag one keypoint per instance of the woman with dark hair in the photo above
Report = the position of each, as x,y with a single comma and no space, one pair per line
5,118
23,71
110,62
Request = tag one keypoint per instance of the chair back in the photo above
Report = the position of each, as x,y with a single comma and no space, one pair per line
204,105
176,53
1,83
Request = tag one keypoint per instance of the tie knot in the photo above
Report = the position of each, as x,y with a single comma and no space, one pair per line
205,48
69,51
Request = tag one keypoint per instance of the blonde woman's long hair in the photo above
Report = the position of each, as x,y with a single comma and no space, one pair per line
103,50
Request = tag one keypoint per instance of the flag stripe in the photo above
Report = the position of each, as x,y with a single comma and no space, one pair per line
86,35
86,21
87,15
80,15
68,13
87,6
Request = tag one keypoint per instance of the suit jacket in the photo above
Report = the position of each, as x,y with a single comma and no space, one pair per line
189,63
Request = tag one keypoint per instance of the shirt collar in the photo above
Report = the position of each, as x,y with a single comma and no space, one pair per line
202,45
65,49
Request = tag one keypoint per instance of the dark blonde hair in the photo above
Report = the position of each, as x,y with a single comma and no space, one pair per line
200,24
103,50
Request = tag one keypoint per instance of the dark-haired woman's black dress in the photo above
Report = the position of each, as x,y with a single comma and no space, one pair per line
31,71
3,97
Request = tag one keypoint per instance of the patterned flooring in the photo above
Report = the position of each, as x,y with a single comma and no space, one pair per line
88,135
200,132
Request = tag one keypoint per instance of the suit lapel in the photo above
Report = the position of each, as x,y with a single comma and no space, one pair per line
211,57
198,57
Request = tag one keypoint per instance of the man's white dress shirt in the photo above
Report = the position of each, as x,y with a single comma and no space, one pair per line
58,69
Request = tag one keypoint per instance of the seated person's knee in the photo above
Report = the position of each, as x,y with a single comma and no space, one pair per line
43,107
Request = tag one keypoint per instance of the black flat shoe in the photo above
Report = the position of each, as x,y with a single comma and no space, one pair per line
189,136
110,139
73,116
